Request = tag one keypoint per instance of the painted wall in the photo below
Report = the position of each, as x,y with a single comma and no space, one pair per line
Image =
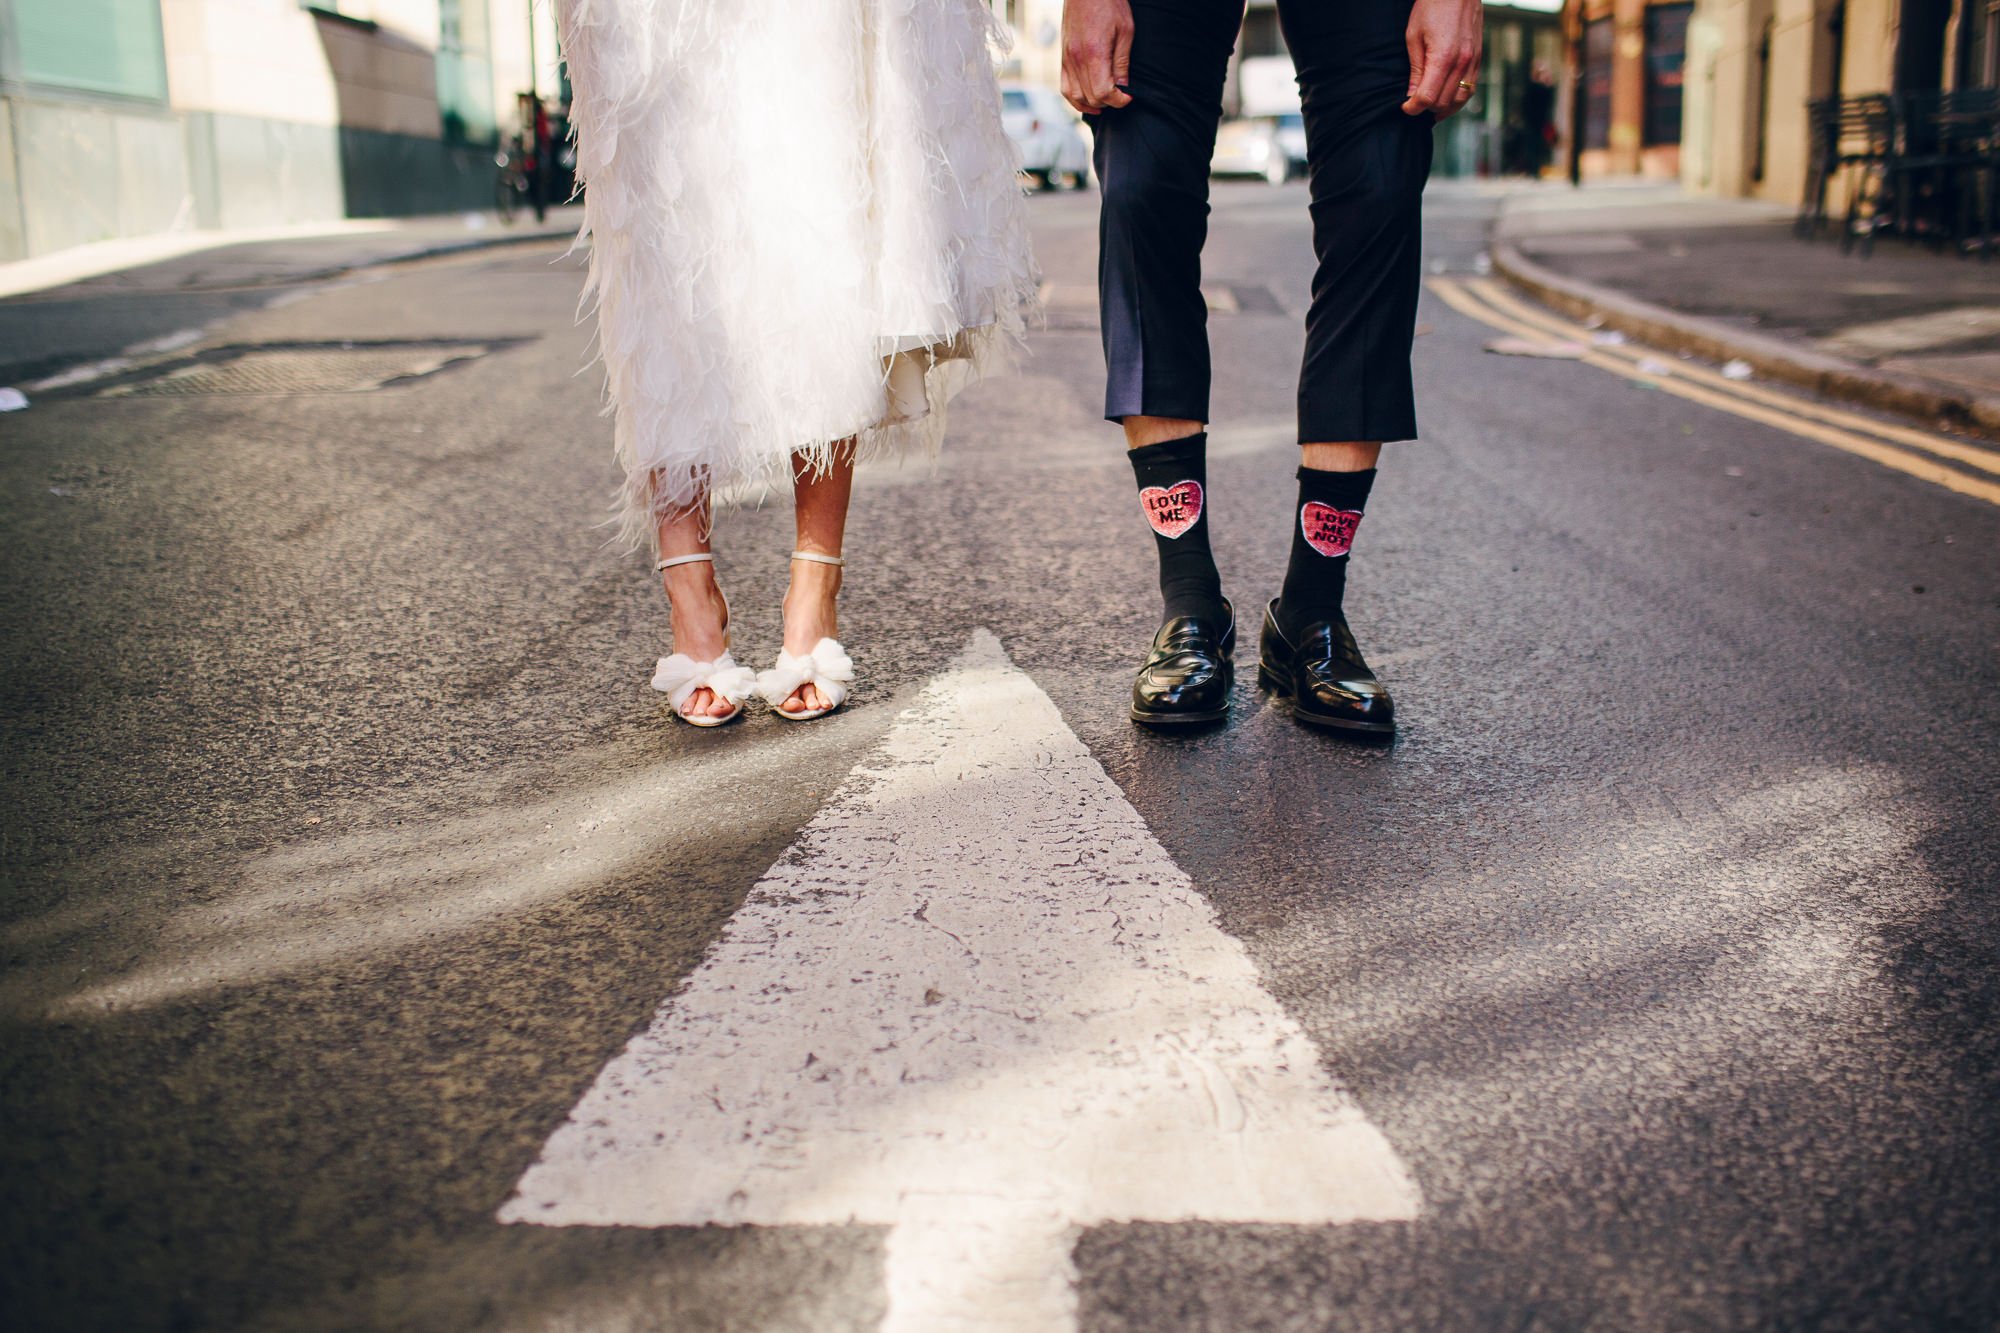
1037,27
1868,55
274,114
247,58
1747,122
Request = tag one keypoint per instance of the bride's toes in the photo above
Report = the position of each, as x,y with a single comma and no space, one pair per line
706,703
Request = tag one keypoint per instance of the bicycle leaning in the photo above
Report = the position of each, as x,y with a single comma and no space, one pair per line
519,181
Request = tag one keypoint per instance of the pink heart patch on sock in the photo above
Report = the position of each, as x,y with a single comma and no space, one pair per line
1172,510
1328,530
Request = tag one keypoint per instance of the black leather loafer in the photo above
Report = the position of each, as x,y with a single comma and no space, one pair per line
1187,676
1324,675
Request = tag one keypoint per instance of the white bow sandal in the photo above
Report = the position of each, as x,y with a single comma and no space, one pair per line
827,667
679,676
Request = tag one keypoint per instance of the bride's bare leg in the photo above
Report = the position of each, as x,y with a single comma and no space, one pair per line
819,497
700,617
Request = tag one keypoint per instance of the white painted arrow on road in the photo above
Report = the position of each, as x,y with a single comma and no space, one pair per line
979,1004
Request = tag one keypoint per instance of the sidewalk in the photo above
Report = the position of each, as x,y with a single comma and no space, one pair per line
1905,330
192,261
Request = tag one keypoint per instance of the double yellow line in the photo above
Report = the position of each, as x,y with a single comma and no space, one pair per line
1882,442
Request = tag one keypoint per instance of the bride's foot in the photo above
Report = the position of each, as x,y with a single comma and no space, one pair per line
701,633
811,615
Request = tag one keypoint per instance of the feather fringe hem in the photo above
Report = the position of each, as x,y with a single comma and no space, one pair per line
950,365
759,248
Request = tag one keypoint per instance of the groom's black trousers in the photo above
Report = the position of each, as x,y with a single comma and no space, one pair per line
1368,163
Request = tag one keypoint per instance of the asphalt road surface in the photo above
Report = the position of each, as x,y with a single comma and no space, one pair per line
1646,981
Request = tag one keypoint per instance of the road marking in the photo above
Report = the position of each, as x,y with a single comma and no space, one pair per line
83,374
166,342
979,1004
1769,409
1986,460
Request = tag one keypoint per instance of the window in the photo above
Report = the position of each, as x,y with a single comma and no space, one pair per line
1666,62
1762,140
96,46
1986,45
1598,42
465,72
1013,99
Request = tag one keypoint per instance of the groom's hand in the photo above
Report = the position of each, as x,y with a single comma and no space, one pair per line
1097,54
1444,38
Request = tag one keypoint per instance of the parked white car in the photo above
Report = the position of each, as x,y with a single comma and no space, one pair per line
1273,147
1044,129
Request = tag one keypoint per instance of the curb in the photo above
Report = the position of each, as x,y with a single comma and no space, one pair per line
492,242
502,235
1770,357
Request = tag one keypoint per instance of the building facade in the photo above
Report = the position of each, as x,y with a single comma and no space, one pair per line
1753,65
1036,56
1628,61
131,117
1036,25
1498,132
1513,124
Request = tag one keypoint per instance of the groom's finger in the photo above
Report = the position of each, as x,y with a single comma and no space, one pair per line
1086,75
1099,89
1460,80
1438,66
1414,41
1076,84
1121,68
1100,84
1071,91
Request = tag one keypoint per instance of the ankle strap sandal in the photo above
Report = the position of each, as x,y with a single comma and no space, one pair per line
678,676
827,667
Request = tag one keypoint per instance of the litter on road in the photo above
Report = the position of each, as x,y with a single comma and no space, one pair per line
1552,351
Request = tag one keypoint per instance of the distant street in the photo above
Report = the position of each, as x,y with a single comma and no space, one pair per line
1646,982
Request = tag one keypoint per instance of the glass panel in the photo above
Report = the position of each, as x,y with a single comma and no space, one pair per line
102,46
1598,39
1666,58
463,26
464,74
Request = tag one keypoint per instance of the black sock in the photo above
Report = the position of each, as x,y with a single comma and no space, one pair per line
1330,505
1173,494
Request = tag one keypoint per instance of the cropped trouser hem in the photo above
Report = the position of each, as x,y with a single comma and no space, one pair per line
1367,164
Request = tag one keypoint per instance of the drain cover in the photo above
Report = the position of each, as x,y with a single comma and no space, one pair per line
295,368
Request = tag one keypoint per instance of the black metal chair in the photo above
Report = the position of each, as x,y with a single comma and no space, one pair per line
1822,163
1849,136
1941,140
1969,152
1870,129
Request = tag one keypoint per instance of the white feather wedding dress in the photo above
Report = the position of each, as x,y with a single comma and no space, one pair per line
804,225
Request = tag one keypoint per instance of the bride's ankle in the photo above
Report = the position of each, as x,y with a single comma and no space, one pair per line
700,613
811,609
